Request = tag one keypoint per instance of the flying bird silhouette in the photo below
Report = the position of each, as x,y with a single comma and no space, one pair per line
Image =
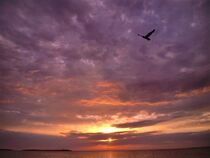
147,35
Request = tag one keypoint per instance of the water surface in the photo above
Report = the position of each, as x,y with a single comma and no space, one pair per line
185,153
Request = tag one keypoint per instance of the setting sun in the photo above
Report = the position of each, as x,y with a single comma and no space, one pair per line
110,140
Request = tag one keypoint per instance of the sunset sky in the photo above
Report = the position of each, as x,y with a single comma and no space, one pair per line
75,75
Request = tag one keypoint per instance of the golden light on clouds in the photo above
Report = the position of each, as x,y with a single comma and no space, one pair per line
193,92
109,140
108,101
104,128
109,129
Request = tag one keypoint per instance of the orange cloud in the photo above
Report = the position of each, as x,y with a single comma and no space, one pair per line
107,93
105,84
116,102
104,88
193,92
6,101
35,90
50,87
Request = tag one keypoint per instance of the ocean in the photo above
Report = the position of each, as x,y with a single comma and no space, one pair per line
184,153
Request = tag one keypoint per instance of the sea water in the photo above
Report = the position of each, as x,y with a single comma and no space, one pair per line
184,153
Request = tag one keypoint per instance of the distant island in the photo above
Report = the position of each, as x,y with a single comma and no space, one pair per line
6,150
36,150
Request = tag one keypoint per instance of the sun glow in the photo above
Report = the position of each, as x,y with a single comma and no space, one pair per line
109,140
109,130
103,128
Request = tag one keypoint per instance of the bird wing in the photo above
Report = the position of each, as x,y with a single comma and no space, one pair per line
149,34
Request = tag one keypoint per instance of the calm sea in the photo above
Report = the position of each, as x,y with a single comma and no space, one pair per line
187,153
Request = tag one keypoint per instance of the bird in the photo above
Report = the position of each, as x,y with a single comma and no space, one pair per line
147,35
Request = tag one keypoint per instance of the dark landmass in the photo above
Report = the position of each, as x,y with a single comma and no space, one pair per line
6,150
36,150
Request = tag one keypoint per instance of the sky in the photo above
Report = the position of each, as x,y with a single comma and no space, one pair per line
75,75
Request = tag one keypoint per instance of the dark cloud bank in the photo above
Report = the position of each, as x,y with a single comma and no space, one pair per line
76,141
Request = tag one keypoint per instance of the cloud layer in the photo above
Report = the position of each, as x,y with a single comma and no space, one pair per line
78,66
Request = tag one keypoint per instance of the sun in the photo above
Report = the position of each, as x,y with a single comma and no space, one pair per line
110,140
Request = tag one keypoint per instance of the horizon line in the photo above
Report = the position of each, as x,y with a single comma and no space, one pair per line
70,150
